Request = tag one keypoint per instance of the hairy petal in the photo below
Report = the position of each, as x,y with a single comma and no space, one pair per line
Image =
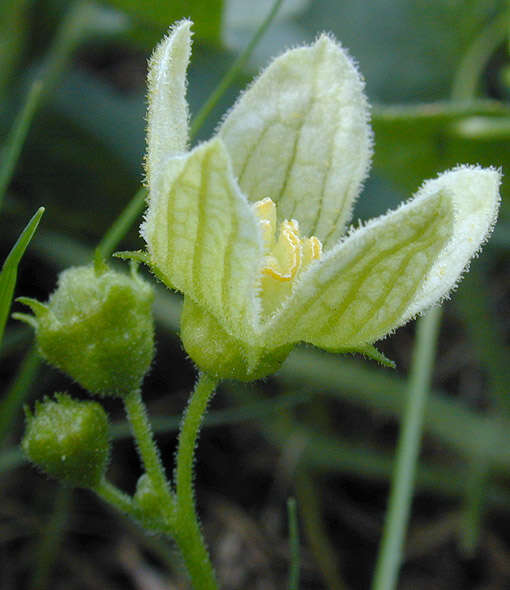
203,238
364,287
475,193
301,136
167,116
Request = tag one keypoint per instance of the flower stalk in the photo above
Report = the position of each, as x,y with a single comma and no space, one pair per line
149,454
187,533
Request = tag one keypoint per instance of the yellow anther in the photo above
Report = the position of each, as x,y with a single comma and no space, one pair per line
312,250
285,259
287,255
292,225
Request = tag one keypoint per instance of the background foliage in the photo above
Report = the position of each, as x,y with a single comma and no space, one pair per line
438,73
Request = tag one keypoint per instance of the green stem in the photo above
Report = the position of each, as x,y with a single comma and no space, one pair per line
149,454
229,77
115,497
188,534
122,224
397,516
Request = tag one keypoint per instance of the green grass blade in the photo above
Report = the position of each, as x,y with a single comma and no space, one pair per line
83,20
16,138
295,557
51,539
315,529
122,224
475,502
399,505
16,394
229,77
9,271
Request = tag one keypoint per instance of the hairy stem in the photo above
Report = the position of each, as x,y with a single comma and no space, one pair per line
188,534
115,497
149,454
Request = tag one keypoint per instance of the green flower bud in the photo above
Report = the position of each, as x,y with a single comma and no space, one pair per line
220,355
149,503
97,327
68,440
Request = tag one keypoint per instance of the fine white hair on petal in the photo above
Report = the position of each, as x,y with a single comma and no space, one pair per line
207,242
168,113
475,194
360,289
300,135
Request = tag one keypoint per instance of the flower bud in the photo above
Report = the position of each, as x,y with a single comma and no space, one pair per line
150,504
97,327
68,440
220,355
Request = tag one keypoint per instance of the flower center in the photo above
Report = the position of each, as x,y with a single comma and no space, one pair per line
286,255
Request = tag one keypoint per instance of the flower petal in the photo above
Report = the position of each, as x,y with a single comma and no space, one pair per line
364,287
203,238
300,135
476,199
167,117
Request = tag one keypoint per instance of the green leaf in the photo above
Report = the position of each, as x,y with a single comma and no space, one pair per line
206,14
9,271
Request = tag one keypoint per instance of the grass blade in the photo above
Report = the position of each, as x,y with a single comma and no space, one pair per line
294,545
17,137
122,224
9,271
18,391
229,77
399,504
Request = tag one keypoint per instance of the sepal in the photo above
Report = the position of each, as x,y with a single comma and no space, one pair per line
371,352
221,355
149,503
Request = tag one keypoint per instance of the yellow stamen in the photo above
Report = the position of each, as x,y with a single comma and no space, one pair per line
285,259
289,254
312,250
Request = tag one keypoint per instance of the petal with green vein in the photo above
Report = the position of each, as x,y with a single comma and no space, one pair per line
300,135
364,287
475,194
168,117
203,237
